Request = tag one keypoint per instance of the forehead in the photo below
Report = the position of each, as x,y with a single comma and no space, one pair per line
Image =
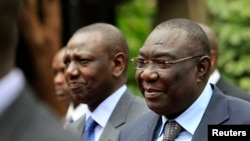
90,37
60,54
164,41
85,42
59,57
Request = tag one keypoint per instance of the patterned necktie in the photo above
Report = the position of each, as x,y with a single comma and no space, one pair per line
172,129
89,134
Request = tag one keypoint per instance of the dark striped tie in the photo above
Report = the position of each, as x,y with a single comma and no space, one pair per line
172,130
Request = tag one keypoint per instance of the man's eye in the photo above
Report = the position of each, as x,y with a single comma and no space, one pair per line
66,62
84,61
141,62
160,61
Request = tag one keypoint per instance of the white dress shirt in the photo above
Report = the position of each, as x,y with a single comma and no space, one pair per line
10,87
214,77
103,112
187,119
75,113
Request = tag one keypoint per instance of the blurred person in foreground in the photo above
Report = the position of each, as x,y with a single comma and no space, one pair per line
215,77
172,71
75,109
22,116
96,62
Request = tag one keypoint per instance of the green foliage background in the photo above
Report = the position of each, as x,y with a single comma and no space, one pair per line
135,20
230,19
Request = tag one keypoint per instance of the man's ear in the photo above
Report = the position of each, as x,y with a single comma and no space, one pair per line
203,68
119,62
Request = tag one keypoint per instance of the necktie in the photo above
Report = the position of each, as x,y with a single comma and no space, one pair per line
172,129
89,134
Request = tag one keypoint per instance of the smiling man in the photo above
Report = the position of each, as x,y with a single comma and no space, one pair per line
96,64
172,71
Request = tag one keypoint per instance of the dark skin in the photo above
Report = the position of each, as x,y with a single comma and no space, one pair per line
91,72
171,91
213,45
61,86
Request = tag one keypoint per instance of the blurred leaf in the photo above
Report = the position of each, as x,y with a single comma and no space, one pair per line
230,19
135,20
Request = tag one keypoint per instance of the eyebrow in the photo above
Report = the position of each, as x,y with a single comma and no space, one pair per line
160,55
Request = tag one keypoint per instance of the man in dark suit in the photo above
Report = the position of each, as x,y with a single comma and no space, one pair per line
172,72
75,109
22,117
215,77
96,64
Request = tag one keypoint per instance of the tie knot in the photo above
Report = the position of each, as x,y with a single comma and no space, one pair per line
172,129
89,134
90,125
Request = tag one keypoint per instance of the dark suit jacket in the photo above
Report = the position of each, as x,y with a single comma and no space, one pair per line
127,109
221,110
230,89
28,120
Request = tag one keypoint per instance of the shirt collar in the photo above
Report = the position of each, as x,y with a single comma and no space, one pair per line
103,112
10,87
214,77
187,119
76,113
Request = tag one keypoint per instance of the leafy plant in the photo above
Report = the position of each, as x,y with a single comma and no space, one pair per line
230,21
135,20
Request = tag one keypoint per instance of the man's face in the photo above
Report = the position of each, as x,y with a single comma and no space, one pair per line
167,91
61,87
88,68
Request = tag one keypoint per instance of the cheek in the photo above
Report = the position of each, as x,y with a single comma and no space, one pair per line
96,77
172,83
137,78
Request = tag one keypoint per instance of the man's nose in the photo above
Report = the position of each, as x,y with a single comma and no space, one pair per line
72,70
59,78
149,73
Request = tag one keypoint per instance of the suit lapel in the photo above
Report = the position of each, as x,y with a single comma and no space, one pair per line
77,126
215,114
148,133
109,133
81,123
118,118
222,85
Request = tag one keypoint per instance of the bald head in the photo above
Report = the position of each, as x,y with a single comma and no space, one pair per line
213,45
59,55
112,38
196,39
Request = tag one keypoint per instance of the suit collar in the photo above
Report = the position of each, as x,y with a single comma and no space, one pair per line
118,117
148,134
121,108
116,120
216,113
217,106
